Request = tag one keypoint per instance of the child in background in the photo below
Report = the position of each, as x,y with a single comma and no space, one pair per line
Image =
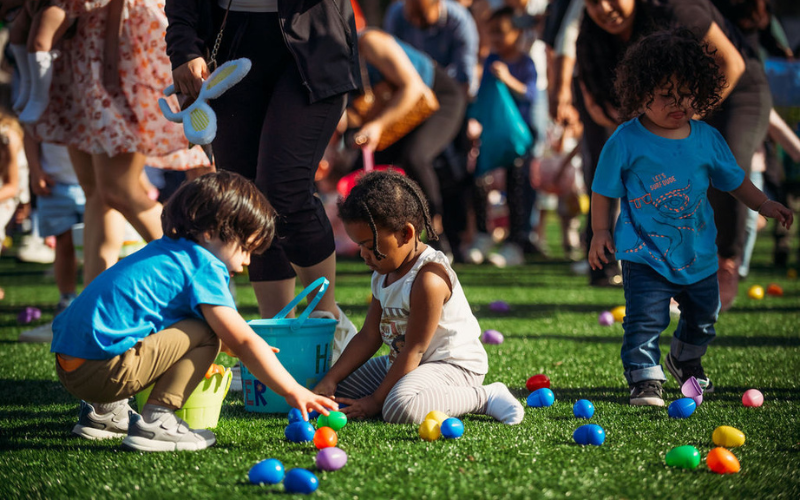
60,205
39,24
158,316
418,309
509,64
11,137
660,164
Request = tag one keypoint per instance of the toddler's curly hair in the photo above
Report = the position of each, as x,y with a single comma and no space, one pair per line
388,200
651,62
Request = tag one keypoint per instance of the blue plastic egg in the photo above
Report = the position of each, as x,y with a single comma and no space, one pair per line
314,414
452,428
589,434
269,471
295,415
299,432
300,481
583,408
541,397
681,408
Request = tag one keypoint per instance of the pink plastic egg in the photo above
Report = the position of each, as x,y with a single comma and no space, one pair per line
605,318
752,398
492,337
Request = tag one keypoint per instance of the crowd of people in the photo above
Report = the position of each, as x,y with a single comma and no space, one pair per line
496,112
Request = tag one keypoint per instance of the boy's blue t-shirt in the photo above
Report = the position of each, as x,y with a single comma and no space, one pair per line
666,220
524,70
146,292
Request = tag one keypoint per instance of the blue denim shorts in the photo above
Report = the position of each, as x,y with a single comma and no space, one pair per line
59,211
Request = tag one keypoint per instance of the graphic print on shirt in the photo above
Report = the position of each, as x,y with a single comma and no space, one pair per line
393,330
670,209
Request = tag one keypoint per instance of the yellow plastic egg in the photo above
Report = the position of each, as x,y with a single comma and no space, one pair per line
729,437
756,292
618,313
791,274
429,430
439,416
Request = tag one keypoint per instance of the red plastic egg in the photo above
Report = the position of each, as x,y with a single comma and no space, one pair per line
540,381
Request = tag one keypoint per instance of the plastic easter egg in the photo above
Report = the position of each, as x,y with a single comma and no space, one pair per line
729,437
335,420
325,437
429,430
775,290
300,481
791,274
299,432
541,397
332,458
605,318
752,398
437,415
269,471
537,382
685,457
452,428
492,337
28,314
314,413
499,306
589,434
691,389
295,416
681,408
583,408
722,461
618,313
756,292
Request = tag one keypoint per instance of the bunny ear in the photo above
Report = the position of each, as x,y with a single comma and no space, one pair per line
200,124
225,77
168,113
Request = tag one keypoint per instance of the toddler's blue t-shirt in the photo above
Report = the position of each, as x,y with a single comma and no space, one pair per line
666,220
146,292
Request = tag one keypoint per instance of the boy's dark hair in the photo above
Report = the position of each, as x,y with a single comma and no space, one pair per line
387,200
652,61
503,12
224,204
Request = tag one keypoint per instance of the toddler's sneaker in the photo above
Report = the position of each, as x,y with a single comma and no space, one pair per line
509,255
481,244
646,393
41,333
167,433
682,370
92,425
502,405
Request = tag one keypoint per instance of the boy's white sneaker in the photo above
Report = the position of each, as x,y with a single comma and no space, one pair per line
167,433
92,425
41,333
502,405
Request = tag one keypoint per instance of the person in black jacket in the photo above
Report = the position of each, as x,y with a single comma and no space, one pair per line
274,125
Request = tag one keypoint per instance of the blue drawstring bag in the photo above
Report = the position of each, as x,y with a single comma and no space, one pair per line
505,136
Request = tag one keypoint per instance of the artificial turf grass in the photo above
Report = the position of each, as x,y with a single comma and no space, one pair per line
552,329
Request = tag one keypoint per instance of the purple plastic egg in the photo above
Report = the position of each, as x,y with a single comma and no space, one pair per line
605,318
331,458
499,306
29,314
492,337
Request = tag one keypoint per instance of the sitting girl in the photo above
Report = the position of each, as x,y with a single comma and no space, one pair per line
419,310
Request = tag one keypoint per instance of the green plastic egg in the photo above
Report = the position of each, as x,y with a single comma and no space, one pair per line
685,457
335,420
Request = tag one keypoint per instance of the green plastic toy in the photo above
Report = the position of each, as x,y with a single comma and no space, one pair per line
335,420
685,457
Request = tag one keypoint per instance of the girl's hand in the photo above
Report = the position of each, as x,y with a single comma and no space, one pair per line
777,211
305,400
41,182
189,77
601,241
369,135
500,70
365,407
325,388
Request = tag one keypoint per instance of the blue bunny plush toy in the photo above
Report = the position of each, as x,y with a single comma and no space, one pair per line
199,120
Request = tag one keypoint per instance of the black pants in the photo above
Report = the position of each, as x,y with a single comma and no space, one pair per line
415,153
270,133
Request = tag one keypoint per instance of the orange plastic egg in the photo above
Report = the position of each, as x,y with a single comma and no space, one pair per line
722,461
774,290
325,437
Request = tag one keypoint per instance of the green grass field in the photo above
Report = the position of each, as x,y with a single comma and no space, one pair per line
551,329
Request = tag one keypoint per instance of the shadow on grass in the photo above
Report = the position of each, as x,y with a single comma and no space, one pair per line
721,340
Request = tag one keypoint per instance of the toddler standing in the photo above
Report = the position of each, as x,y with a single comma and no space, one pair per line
660,164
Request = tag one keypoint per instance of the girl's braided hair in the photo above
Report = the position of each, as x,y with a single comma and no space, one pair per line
651,62
387,200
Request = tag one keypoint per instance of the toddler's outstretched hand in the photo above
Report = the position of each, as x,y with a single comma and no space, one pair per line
601,241
305,400
777,211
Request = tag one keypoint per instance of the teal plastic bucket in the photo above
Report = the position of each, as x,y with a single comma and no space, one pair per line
305,350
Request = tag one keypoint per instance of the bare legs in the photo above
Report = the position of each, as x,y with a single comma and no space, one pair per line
272,296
